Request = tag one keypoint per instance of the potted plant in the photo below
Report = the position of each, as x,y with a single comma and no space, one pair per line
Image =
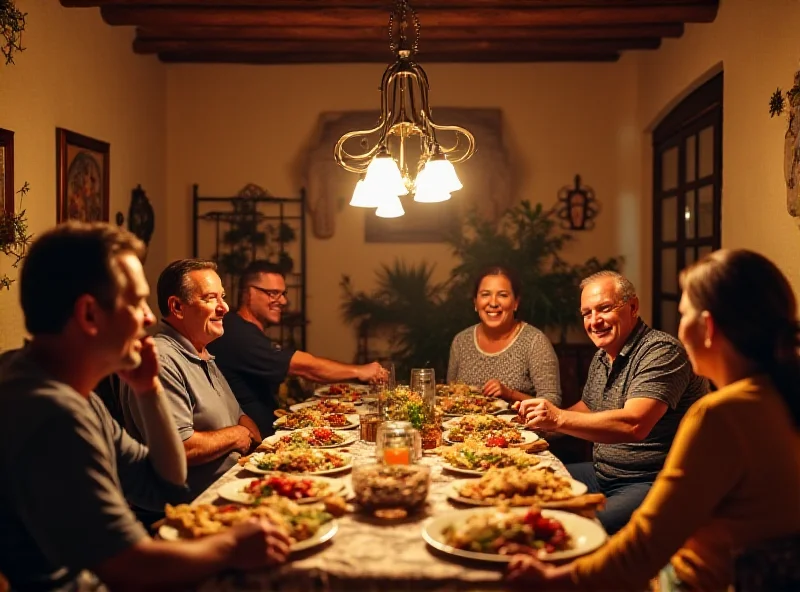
12,24
14,237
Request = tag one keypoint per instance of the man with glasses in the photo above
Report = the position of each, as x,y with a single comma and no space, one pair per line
211,424
254,365
639,386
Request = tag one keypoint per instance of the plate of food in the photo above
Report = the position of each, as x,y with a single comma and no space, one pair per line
326,406
509,437
307,526
496,535
347,392
515,487
458,405
310,461
457,389
307,438
311,418
462,427
473,458
301,490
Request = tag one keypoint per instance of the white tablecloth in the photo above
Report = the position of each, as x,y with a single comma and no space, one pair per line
366,554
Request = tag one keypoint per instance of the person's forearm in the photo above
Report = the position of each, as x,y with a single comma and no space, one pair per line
251,426
321,369
514,396
203,447
603,427
152,564
166,454
560,578
579,407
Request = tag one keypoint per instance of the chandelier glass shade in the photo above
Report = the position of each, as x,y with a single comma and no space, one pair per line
405,152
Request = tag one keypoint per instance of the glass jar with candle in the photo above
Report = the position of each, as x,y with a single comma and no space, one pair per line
398,443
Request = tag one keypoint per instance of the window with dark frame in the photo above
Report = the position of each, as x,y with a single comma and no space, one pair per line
687,194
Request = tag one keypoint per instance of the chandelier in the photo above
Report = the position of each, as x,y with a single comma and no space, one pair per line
402,153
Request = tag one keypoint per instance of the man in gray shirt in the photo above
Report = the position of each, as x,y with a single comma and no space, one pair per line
212,426
65,464
640,385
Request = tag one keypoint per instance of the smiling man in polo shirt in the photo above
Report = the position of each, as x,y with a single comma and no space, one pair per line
640,385
214,430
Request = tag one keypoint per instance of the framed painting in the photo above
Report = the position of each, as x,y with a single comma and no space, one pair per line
82,177
7,171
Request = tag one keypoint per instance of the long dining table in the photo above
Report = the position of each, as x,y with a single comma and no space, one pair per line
370,554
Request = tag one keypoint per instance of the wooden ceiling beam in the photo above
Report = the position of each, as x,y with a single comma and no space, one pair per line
369,48
153,16
429,33
385,4
347,57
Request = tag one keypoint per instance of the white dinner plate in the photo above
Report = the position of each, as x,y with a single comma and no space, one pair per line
349,438
314,402
323,391
253,468
543,464
527,438
587,535
323,535
352,422
234,491
453,493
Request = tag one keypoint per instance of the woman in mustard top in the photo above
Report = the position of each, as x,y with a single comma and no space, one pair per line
732,477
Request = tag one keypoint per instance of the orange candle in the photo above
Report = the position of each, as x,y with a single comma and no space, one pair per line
396,456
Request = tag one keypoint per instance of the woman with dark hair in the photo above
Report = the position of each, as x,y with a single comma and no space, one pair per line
506,357
732,477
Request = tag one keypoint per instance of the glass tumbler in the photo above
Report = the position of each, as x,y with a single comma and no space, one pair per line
423,382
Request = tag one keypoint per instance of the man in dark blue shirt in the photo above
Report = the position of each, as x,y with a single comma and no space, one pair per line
254,365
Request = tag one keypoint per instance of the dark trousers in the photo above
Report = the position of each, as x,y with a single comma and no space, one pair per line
621,500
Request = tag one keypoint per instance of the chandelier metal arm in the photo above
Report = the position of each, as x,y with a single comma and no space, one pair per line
405,112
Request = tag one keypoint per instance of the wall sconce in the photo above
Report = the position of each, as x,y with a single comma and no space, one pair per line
577,206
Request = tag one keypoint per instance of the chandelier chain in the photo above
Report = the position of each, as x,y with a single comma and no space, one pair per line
404,13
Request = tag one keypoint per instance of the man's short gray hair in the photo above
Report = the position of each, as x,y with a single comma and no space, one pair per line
625,288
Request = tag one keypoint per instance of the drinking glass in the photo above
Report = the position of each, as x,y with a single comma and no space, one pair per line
382,388
423,382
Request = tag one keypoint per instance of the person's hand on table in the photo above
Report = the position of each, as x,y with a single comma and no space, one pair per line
526,569
539,414
372,372
244,440
258,542
495,388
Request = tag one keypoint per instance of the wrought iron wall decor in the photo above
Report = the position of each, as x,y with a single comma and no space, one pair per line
141,217
254,224
577,207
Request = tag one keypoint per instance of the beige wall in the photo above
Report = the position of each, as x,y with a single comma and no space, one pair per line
758,46
80,74
230,125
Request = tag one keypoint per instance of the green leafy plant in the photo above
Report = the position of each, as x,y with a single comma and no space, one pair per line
14,237
12,24
422,317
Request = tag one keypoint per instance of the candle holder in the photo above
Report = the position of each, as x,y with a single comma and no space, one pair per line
398,443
